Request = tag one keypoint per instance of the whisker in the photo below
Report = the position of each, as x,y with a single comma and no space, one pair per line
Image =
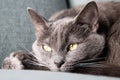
26,50
93,60
88,64
97,60
30,62
34,60
29,52
23,48
94,64
39,64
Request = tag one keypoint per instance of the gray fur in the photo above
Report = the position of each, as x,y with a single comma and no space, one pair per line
82,27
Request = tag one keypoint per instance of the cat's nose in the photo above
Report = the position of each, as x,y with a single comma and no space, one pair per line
59,63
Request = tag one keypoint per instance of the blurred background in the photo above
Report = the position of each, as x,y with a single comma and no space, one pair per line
16,29
79,2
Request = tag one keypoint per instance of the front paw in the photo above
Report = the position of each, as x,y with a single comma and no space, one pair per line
12,62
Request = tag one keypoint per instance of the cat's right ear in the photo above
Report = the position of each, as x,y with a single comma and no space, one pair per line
89,15
38,21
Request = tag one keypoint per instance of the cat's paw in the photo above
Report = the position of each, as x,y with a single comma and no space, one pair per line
14,61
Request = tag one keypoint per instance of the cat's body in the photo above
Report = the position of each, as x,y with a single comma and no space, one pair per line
71,37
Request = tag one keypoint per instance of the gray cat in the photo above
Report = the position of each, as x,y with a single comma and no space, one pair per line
73,38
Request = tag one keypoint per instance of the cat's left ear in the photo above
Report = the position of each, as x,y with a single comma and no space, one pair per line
39,22
89,15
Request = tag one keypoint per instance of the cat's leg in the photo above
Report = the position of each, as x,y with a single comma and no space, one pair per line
15,60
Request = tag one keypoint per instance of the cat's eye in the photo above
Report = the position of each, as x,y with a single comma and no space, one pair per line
73,46
47,48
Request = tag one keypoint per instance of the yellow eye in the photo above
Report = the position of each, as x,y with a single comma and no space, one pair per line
46,48
73,46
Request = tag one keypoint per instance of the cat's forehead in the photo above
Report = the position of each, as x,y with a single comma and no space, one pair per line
68,26
59,32
61,27
62,22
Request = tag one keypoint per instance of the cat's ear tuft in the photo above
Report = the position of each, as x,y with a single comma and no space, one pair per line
89,15
38,21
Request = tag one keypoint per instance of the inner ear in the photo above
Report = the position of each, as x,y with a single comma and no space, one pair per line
39,22
89,15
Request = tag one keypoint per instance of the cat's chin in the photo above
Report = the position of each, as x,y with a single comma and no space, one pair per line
55,69
64,69
61,69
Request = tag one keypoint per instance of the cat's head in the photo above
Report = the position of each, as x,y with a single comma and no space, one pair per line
60,44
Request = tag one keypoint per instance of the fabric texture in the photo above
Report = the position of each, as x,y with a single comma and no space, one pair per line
16,29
